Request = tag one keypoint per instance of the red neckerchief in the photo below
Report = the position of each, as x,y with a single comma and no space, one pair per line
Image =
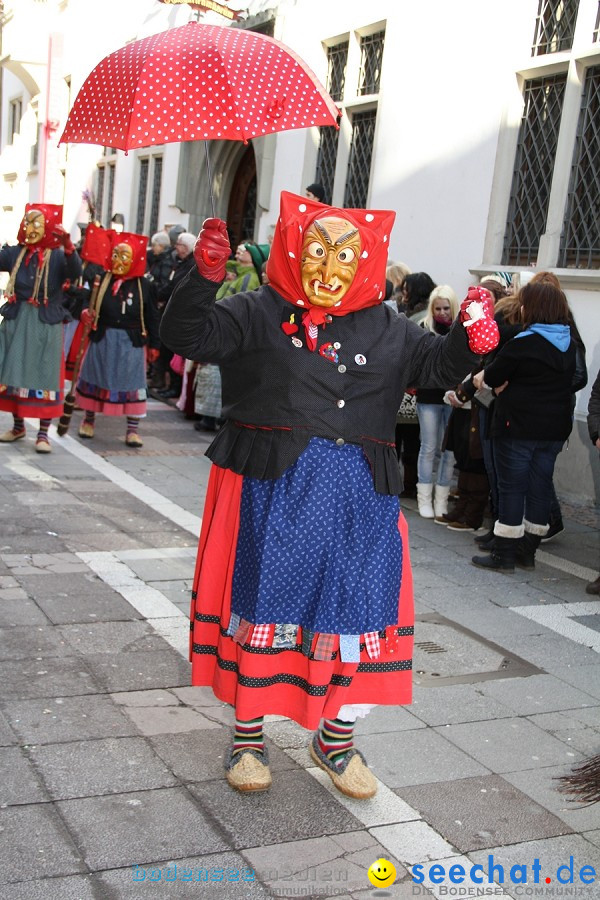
34,251
116,285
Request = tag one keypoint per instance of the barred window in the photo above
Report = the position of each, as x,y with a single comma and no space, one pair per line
156,185
371,55
580,240
326,159
554,26
534,166
142,193
100,191
359,165
337,58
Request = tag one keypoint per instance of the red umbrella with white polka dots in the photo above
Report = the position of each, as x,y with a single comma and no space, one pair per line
197,82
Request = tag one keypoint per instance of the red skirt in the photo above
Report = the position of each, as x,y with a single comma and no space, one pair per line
268,680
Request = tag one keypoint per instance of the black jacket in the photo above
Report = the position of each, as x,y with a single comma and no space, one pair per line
593,416
277,394
60,268
537,402
178,274
123,311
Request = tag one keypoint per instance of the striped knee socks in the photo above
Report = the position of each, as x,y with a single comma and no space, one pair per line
335,739
248,735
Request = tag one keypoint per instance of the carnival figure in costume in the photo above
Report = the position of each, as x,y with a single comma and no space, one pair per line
31,331
302,597
123,322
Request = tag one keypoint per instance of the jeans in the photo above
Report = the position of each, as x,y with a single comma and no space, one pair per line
433,419
487,447
525,470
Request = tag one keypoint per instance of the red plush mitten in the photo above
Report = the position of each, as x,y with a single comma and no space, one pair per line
212,250
87,318
64,237
152,354
477,315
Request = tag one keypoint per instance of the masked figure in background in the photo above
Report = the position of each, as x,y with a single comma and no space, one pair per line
31,332
302,599
123,322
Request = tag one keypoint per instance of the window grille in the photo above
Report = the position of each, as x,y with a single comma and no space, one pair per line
580,240
100,191
371,54
534,165
359,164
554,26
142,192
326,159
111,194
156,183
337,58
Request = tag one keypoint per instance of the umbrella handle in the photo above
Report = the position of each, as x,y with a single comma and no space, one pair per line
210,188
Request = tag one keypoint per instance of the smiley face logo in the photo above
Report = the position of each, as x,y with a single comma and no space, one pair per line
381,873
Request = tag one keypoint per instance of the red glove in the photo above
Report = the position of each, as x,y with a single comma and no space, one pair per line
212,250
477,315
87,318
152,354
64,237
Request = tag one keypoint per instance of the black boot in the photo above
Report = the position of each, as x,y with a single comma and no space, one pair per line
525,557
486,541
501,558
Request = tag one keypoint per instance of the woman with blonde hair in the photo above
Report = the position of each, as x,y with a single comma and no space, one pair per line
433,414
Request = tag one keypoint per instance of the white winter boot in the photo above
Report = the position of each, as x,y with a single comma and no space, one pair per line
424,498
440,503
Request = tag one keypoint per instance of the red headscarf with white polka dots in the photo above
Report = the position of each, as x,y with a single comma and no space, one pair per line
53,214
283,268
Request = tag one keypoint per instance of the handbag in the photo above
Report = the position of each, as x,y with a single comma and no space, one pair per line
408,406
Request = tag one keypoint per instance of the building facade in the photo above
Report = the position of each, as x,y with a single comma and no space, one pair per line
478,123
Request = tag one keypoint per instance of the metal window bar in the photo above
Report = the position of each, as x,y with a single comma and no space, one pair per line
142,192
580,239
554,26
596,34
100,191
533,170
156,185
337,59
111,194
359,163
326,158
371,54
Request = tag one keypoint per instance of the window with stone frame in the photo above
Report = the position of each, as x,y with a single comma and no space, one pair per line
554,201
353,81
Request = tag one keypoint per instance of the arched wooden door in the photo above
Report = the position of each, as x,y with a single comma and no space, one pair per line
241,213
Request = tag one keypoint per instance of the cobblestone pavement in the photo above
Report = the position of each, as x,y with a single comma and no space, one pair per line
113,784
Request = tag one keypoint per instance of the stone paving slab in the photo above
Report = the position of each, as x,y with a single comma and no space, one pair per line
266,818
53,720
137,670
105,766
69,599
541,786
552,853
111,637
169,720
23,785
584,678
543,693
35,843
21,611
139,828
75,887
417,757
455,703
24,679
474,813
34,641
509,745
572,730
226,877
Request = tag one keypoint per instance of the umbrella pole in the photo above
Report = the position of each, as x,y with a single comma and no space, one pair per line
210,185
